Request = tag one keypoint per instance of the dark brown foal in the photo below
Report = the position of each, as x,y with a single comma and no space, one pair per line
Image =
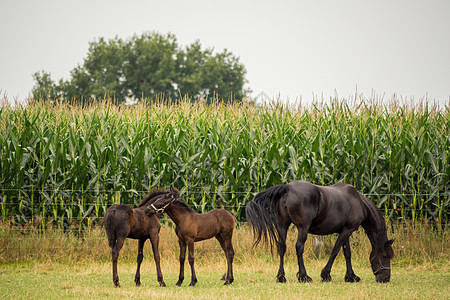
122,222
192,227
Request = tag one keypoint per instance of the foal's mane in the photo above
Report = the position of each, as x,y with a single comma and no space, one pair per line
180,202
155,192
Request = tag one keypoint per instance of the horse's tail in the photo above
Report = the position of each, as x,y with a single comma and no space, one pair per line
110,227
262,213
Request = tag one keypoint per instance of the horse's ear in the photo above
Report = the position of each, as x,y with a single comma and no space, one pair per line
389,243
388,248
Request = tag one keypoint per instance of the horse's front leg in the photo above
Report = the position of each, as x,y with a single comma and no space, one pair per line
182,259
154,239
190,245
140,257
349,275
300,246
325,274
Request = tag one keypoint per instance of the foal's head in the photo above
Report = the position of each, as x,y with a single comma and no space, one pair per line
161,203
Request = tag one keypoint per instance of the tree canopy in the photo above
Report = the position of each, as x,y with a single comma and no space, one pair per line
148,66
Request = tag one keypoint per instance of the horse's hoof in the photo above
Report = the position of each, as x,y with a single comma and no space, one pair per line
192,284
138,283
352,278
116,284
281,279
162,284
304,279
178,283
326,278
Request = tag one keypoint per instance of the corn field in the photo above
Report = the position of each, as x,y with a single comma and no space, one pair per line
67,164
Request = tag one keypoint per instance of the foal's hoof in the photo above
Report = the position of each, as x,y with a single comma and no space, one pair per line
281,279
229,281
352,278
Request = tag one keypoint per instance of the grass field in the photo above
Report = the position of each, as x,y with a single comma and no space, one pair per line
57,265
92,279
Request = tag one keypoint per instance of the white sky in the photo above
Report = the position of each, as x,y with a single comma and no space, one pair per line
291,49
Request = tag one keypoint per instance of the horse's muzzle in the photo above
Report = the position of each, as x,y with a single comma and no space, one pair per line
383,278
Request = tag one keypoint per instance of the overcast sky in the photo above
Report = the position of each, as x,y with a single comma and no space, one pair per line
291,49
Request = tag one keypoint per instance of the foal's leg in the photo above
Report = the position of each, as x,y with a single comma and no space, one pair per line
349,275
190,244
343,236
182,259
140,257
300,246
115,255
154,239
227,247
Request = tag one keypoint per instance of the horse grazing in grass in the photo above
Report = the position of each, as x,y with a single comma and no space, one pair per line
320,210
122,222
192,227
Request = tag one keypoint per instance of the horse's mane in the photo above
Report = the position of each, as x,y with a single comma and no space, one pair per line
376,223
180,202
154,193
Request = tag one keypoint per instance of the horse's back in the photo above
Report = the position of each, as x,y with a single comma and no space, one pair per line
327,209
213,222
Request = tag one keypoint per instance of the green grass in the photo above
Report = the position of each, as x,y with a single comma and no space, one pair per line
94,280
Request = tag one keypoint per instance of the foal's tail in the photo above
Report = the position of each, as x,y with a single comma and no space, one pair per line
110,227
262,213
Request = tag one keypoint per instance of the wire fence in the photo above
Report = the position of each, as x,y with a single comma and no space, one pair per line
57,206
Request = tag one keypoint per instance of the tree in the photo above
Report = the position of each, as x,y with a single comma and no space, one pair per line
223,77
150,65
45,87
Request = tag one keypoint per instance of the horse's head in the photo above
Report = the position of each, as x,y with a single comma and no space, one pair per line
380,260
161,203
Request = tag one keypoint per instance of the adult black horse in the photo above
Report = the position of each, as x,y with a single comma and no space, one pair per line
320,210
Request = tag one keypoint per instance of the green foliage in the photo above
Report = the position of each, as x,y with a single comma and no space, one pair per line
69,163
150,65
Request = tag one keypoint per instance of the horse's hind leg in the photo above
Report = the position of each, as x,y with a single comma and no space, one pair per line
227,247
140,257
154,239
349,275
115,255
281,247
